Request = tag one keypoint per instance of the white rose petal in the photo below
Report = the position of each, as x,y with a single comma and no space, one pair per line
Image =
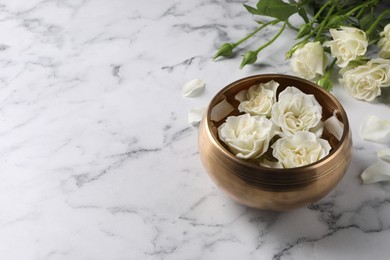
309,61
195,115
258,99
384,155
221,110
376,130
246,136
334,126
378,171
296,111
384,43
193,88
270,164
242,95
348,43
300,149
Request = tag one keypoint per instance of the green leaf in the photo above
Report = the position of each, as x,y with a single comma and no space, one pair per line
366,21
304,30
276,8
336,21
303,14
251,9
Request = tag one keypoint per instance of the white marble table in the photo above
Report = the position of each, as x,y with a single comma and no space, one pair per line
98,161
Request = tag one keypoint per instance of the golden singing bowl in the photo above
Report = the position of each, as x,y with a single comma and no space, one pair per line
269,188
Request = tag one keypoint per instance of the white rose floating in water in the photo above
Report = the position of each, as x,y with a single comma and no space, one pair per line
296,111
300,149
258,99
246,136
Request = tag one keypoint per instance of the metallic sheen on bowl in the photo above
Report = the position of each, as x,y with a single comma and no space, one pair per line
267,188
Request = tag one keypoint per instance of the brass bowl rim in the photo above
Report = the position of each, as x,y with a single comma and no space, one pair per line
277,171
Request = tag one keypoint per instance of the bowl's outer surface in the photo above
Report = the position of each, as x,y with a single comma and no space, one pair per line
266,188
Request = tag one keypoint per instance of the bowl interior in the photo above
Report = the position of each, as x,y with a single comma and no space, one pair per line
224,105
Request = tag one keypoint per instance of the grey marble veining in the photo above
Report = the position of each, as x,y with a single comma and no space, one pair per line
98,161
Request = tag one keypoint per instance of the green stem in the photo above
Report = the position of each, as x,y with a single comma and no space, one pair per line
360,6
300,43
324,22
375,24
272,40
292,26
329,71
361,12
254,32
319,12
324,82
311,34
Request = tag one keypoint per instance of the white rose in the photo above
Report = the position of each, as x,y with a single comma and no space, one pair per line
364,82
359,83
309,61
247,136
384,43
296,111
258,99
300,149
347,44
380,71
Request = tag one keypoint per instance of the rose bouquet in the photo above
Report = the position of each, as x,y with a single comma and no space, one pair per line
332,34
278,132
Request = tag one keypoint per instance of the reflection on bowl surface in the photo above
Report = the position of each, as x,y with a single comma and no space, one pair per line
267,188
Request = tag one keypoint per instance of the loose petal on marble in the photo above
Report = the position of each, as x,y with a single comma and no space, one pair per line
377,172
375,129
193,88
334,126
384,155
380,170
195,115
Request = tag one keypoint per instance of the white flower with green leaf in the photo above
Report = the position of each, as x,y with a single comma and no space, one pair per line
345,30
